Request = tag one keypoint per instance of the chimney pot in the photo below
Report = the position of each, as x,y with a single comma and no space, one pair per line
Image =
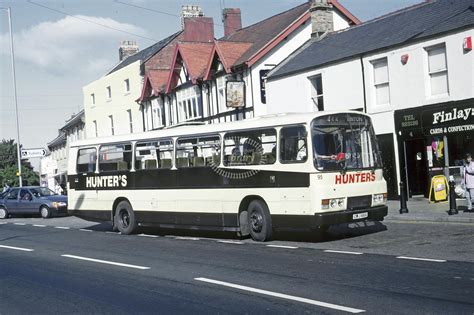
127,48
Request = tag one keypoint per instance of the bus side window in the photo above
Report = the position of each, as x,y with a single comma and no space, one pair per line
115,157
154,154
203,151
293,144
86,160
257,147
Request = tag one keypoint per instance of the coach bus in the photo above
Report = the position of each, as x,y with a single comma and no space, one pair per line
255,176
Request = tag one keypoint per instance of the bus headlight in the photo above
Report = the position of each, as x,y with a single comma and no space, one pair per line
379,199
333,204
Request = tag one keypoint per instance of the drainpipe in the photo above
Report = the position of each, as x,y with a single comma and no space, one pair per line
363,83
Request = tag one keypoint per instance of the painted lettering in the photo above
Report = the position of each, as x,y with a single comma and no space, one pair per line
354,178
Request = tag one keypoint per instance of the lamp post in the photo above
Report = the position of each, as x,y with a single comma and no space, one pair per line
18,151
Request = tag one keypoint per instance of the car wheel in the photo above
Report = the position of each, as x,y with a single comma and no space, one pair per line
125,218
45,212
3,213
260,221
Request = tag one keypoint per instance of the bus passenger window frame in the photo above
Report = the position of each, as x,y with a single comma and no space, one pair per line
95,164
281,147
129,168
197,138
158,160
247,133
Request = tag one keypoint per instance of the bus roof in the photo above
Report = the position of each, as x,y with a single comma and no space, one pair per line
272,120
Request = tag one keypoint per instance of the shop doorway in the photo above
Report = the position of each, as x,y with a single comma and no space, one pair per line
417,168
387,151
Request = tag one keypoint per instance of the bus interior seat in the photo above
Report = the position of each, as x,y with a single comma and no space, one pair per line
256,158
198,161
216,159
269,158
122,166
182,162
166,163
149,164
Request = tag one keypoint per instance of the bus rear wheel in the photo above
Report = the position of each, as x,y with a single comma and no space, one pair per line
259,221
124,218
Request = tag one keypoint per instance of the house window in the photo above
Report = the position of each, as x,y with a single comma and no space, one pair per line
381,81
317,92
189,103
263,78
93,98
221,94
95,128
109,92
111,120
130,121
438,70
127,85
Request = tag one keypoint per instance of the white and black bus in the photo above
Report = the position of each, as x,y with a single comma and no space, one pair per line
288,171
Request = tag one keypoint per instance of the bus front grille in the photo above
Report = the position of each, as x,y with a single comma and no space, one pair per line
359,202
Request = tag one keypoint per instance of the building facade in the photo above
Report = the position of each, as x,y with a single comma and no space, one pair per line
415,80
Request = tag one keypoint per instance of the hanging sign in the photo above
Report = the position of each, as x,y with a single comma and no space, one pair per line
235,94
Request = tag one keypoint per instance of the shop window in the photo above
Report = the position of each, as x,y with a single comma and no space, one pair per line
256,147
293,147
381,81
198,152
437,70
115,157
317,91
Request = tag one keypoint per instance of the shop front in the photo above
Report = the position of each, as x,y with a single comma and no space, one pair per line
433,140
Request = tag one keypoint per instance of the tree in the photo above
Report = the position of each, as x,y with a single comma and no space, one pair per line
8,166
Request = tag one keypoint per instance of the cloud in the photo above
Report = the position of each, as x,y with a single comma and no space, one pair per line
71,44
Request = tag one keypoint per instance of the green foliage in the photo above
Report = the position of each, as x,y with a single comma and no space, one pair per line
8,166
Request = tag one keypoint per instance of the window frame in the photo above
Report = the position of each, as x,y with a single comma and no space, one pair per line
109,92
198,137
230,134
314,91
444,71
127,86
135,150
381,84
280,145
99,153
77,161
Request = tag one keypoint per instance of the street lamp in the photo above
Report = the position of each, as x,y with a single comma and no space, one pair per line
16,98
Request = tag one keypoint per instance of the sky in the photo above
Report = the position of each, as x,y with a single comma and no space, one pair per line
61,46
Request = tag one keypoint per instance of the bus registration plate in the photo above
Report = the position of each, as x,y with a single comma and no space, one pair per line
362,215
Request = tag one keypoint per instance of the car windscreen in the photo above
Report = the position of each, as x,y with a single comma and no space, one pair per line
344,142
42,192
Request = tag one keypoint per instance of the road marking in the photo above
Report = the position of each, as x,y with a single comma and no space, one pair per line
106,262
3,222
283,246
342,252
231,242
17,248
422,259
39,225
18,223
187,238
111,232
148,235
282,296
86,230
62,227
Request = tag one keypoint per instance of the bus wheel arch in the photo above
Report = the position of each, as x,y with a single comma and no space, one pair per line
257,207
123,216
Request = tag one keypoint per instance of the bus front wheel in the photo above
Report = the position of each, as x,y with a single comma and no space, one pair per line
260,222
125,218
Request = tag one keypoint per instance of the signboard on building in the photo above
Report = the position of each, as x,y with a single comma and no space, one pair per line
235,94
439,119
32,153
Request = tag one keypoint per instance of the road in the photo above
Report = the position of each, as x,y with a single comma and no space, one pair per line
69,265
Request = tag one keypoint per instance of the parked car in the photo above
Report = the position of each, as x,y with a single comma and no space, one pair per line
32,200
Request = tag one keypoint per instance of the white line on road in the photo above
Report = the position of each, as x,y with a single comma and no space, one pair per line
39,225
282,296
342,252
111,232
19,223
422,259
187,238
3,222
86,230
62,227
106,262
231,242
17,248
148,235
283,246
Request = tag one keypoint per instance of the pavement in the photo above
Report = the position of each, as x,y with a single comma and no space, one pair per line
420,209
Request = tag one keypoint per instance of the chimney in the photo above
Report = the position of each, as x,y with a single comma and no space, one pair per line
198,29
321,17
127,48
190,11
231,17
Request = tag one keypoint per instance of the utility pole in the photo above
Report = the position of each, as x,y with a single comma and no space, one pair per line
18,151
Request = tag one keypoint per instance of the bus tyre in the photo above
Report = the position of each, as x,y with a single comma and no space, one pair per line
260,222
3,213
125,218
45,212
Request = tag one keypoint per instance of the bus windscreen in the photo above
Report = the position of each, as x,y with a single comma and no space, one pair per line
344,142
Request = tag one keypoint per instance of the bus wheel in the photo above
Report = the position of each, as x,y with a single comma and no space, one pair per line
125,218
260,222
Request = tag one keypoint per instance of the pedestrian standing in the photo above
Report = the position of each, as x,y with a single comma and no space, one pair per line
6,187
468,180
